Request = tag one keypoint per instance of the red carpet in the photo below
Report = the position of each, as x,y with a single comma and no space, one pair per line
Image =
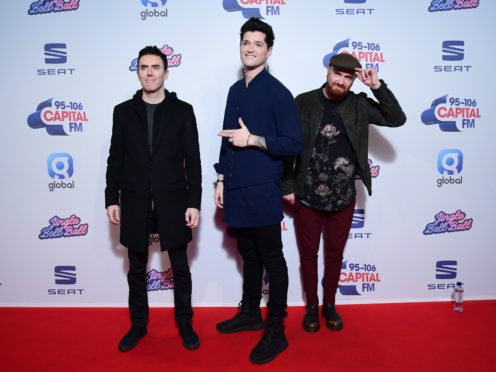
387,337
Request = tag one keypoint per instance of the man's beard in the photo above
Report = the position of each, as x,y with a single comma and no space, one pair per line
336,92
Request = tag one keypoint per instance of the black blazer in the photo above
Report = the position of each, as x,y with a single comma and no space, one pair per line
172,171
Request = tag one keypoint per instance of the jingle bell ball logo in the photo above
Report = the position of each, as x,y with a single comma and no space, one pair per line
255,8
452,113
59,117
173,59
159,280
52,6
369,54
448,223
445,5
69,227
155,9
356,279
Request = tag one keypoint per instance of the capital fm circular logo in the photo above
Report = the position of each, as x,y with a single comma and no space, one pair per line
368,53
255,8
59,117
173,59
52,6
452,114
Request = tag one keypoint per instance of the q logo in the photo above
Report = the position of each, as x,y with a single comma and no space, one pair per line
60,166
450,162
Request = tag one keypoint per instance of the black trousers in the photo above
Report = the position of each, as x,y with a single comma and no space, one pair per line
262,247
136,278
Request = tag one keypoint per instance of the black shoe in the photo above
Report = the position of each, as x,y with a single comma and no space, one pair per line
311,319
190,338
130,340
273,342
333,320
246,319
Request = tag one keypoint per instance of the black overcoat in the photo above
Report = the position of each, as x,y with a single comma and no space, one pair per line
172,171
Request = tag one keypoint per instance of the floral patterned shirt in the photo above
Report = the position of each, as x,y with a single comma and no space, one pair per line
330,175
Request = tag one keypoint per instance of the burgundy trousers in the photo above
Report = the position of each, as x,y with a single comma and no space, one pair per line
310,224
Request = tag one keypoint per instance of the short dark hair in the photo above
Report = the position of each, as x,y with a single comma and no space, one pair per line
255,24
153,50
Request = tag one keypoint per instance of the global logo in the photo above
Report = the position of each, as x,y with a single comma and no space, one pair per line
65,275
154,12
159,280
173,60
70,227
368,53
254,8
445,270
60,168
445,5
450,164
451,113
52,6
55,54
453,50
58,117
355,10
358,222
356,279
448,223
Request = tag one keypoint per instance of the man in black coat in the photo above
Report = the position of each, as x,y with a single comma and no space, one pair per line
154,185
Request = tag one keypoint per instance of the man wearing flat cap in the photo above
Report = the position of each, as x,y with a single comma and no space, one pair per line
320,182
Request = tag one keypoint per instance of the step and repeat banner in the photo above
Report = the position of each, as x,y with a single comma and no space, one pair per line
67,63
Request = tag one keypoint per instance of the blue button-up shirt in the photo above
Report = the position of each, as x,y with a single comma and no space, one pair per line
252,194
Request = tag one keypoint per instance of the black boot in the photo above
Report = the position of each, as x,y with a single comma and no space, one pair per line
191,340
333,320
311,319
131,338
248,318
272,343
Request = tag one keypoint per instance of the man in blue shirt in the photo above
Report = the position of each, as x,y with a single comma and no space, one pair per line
260,127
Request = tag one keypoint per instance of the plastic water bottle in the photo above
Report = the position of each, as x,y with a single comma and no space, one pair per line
457,297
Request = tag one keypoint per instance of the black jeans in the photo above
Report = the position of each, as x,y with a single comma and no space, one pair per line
262,247
136,278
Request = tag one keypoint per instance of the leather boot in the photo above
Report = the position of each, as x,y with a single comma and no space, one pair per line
333,320
248,318
311,319
273,342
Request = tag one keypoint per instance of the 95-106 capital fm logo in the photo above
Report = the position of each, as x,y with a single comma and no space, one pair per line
446,270
70,227
65,276
452,113
354,7
449,223
173,59
159,280
369,54
59,117
154,9
358,278
255,8
55,54
450,165
453,53
60,168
